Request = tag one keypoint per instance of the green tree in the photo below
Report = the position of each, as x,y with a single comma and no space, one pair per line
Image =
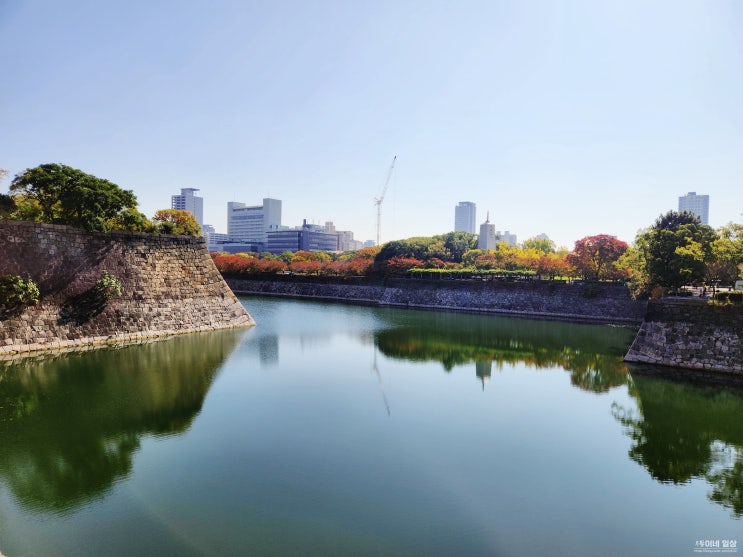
59,194
131,219
727,251
542,245
677,249
176,221
458,243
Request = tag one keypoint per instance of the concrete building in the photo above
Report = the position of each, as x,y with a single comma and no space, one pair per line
214,239
506,237
346,241
465,217
310,237
696,204
252,224
487,239
187,201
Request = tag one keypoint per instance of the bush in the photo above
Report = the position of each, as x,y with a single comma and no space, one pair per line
729,297
107,286
16,293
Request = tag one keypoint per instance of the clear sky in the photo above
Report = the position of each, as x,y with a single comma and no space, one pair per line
571,118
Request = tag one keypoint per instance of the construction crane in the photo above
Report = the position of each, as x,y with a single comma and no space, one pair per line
378,200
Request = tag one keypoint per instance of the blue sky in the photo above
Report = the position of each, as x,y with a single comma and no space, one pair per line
570,118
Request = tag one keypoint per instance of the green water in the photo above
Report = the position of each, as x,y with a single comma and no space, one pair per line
340,430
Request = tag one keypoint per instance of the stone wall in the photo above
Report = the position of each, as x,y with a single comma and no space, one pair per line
169,286
690,334
602,303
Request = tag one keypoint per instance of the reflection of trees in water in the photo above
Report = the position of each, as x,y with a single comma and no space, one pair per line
70,424
685,431
593,354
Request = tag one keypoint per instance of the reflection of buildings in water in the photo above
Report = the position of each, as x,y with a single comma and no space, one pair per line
268,350
483,370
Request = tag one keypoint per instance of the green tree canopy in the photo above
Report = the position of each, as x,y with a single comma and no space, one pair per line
59,194
677,249
728,254
542,245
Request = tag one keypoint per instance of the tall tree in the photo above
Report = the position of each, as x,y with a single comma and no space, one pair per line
59,194
677,249
594,256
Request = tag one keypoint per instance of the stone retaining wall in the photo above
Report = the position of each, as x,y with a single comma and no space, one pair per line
169,286
690,334
602,303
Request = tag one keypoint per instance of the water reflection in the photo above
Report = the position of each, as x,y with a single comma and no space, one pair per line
592,354
685,431
70,424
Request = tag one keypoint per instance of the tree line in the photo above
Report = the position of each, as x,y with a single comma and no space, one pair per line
677,250
60,194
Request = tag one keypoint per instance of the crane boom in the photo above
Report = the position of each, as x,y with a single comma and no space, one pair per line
378,200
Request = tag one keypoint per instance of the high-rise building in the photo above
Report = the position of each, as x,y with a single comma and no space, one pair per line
487,235
465,217
252,224
696,204
187,201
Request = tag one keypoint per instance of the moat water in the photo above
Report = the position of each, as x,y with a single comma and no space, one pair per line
344,430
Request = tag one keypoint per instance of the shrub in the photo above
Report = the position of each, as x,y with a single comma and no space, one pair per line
16,293
729,297
107,286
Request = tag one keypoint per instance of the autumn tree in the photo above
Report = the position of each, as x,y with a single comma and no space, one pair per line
59,194
594,256
177,221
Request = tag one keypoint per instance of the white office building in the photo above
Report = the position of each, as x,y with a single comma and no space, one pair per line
465,217
696,204
487,238
187,201
252,224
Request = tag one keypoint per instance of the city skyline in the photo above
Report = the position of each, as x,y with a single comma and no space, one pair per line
572,119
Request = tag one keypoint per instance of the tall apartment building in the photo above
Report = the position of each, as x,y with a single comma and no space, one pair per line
187,201
696,204
465,217
253,223
487,235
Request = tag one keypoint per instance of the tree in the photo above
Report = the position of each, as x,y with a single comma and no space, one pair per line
131,219
594,256
542,245
176,221
677,249
458,243
727,251
7,205
59,194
